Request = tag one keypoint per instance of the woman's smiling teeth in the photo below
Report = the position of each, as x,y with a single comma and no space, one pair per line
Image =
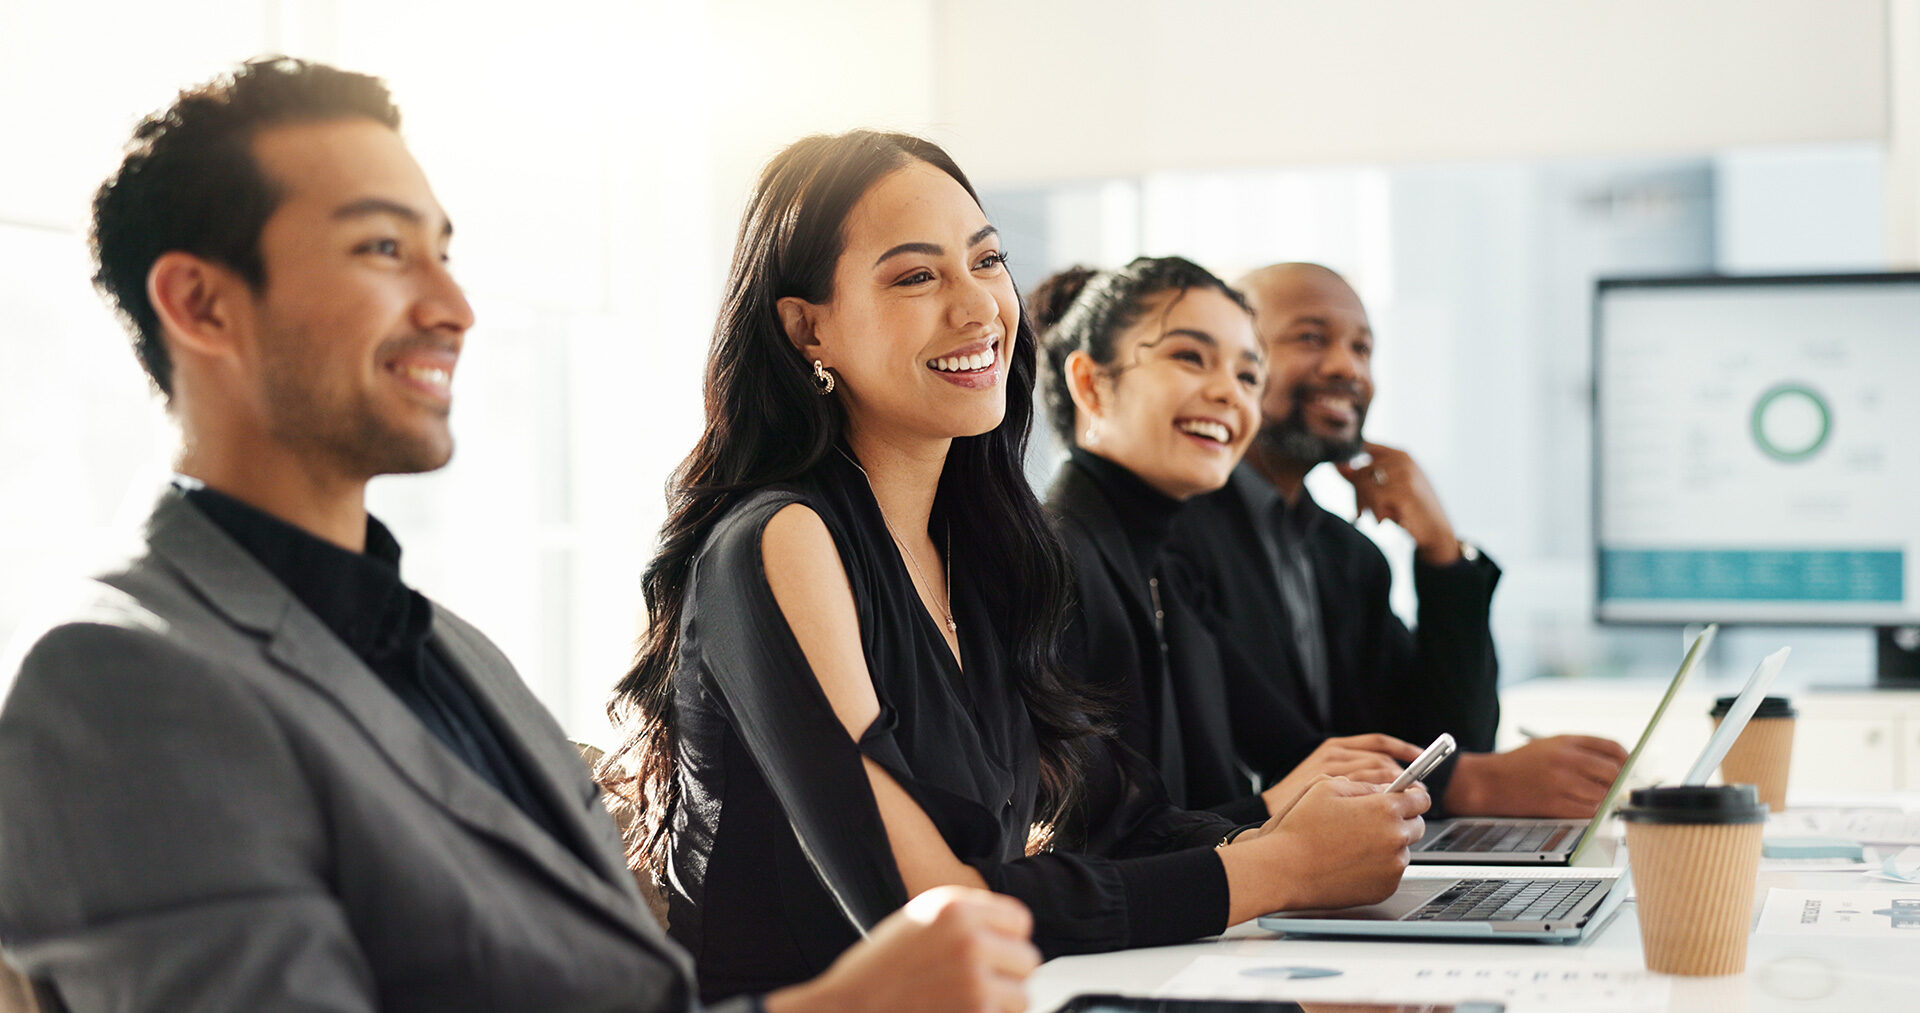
1206,429
964,363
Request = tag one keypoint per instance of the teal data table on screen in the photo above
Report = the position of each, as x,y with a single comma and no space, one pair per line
1781,575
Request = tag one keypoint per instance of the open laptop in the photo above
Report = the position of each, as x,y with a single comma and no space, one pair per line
1467,902
1563,904
1533,841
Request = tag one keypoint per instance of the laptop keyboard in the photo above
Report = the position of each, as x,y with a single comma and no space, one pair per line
1506,900
1476,836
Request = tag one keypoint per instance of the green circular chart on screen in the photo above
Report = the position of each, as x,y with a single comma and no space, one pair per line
1791,422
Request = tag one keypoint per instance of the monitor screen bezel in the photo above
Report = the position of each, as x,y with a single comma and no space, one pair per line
1601,288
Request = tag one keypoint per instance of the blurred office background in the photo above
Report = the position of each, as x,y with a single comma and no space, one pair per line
1472,166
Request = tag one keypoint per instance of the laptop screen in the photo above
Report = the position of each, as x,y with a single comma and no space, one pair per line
1737,716
1695,652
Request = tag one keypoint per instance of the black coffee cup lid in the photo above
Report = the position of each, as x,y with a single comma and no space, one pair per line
1695,804
1770,707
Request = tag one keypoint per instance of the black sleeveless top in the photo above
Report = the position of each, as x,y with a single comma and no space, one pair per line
778,853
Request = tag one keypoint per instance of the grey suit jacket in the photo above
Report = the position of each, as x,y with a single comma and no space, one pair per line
208,803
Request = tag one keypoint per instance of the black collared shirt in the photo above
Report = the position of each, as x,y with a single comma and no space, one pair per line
387,625
1285,530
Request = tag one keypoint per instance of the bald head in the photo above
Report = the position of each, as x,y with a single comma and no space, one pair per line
1320,353
1279,286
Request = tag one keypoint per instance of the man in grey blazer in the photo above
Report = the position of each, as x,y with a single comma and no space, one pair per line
250,769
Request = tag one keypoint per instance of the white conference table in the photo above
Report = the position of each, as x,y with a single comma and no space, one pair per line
1783,973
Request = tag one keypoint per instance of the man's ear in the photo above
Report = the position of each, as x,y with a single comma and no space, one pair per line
1083,383
797,319
200,304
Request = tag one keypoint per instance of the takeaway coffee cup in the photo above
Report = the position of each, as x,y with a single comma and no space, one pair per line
1695,851
1764,750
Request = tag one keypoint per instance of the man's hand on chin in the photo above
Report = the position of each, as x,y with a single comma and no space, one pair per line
1392,487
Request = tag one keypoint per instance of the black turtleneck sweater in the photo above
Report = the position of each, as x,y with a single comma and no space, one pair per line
1144,515
1133,641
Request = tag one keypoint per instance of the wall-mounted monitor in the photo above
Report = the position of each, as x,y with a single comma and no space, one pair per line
1757,450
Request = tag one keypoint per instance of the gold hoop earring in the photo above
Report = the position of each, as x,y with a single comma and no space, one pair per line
822,378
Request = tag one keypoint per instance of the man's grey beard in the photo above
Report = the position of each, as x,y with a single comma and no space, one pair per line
1290,438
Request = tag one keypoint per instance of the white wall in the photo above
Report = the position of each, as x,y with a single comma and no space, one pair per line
1903,134
74,77
780,71
1113,87
1795,209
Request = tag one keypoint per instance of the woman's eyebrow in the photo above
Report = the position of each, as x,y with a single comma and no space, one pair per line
934,249
930,249
1187,332
1204,338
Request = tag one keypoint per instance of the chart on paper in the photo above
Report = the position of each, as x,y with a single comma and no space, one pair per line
1560,986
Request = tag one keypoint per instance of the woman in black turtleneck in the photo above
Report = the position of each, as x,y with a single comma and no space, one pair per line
1155,377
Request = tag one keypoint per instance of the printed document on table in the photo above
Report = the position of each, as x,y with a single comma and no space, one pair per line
1902,867
1880,914
1869,825
1559,986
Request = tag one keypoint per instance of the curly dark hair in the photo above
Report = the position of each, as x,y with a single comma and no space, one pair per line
766,423
1084,310
189,182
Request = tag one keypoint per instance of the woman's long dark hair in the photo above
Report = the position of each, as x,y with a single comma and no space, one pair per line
767,423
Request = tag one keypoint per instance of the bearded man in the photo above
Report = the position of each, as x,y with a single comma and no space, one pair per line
1298,598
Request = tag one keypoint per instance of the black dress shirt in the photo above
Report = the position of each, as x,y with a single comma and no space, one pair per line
1285,531
389,627
1442,676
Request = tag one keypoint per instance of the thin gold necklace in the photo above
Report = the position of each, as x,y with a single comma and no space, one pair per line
946,607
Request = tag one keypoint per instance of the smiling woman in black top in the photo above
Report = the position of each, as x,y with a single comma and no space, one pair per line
1154,376
849,692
